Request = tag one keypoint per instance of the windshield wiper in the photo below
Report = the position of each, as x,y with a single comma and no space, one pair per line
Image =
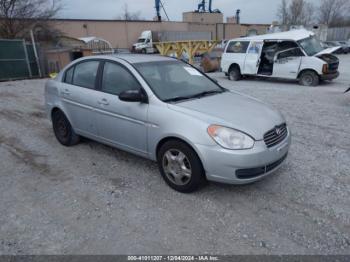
178,98
199,95
206,93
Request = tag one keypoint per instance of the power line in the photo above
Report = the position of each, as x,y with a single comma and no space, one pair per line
161,3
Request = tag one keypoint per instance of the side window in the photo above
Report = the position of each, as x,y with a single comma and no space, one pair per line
117,79
285,45
237,47
295,52
69,76
255,47
85,74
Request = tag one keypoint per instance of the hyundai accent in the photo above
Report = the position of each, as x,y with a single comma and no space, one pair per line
168,111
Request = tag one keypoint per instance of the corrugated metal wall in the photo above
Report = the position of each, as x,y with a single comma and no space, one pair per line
17,60
338,33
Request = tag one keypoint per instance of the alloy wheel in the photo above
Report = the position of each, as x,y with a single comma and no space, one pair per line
177,167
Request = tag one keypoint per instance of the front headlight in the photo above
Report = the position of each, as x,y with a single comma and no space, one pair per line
230,138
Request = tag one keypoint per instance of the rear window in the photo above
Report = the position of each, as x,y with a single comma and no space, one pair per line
69,76
85,74
237,47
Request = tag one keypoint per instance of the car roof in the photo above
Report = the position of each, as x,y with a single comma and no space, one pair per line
294,35
133,58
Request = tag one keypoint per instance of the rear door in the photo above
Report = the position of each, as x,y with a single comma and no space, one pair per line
287,63
78,92
252,60
123,124
235,53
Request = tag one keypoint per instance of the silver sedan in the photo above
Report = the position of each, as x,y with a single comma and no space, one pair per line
168,111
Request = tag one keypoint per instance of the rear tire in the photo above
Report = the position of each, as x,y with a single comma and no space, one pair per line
180,166
63,129
144,51
234,73
309,78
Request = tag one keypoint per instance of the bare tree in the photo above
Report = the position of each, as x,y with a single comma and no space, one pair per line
282,12
332,10
18,17
127,15
296,12
310,12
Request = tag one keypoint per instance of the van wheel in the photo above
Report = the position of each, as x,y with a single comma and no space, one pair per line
144,51
309,78
234,73
180,166
63,129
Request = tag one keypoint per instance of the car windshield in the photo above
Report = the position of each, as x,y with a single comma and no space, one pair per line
175,81
141,40
311,46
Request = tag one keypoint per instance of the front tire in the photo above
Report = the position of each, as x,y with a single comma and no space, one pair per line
63,129
234,73
309,78
180,166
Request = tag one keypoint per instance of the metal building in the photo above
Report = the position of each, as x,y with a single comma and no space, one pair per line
97,45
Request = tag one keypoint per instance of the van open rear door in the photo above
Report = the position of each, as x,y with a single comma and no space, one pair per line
252,61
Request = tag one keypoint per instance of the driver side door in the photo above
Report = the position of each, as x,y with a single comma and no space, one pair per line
287,63
122,124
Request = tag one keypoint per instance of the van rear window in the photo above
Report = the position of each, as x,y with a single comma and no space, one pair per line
237,47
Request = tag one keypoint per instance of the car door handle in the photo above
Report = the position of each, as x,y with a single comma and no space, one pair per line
103,102
66,92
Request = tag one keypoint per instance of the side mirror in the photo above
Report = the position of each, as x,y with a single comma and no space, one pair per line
134,96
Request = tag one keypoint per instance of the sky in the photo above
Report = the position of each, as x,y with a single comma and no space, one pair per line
252,11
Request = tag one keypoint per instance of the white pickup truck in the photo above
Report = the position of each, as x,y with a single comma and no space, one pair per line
295,54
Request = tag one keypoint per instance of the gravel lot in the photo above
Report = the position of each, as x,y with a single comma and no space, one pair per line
92,199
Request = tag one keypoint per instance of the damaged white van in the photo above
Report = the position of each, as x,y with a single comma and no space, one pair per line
295,54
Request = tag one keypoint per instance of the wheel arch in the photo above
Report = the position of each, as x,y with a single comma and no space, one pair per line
307,69
56,108
234,65
183,140
53,110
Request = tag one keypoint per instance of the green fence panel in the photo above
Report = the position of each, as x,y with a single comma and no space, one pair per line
10,70
15,58
12,49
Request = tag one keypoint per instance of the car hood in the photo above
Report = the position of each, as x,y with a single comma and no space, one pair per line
329,50
233,110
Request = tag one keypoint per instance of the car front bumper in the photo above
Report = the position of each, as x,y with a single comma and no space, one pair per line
329,76
243,166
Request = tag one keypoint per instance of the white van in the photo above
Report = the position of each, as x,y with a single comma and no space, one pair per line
295,54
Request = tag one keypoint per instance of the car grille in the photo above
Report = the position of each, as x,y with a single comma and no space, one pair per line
276,135
333,67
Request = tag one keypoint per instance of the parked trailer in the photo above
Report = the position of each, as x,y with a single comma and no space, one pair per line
146,43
